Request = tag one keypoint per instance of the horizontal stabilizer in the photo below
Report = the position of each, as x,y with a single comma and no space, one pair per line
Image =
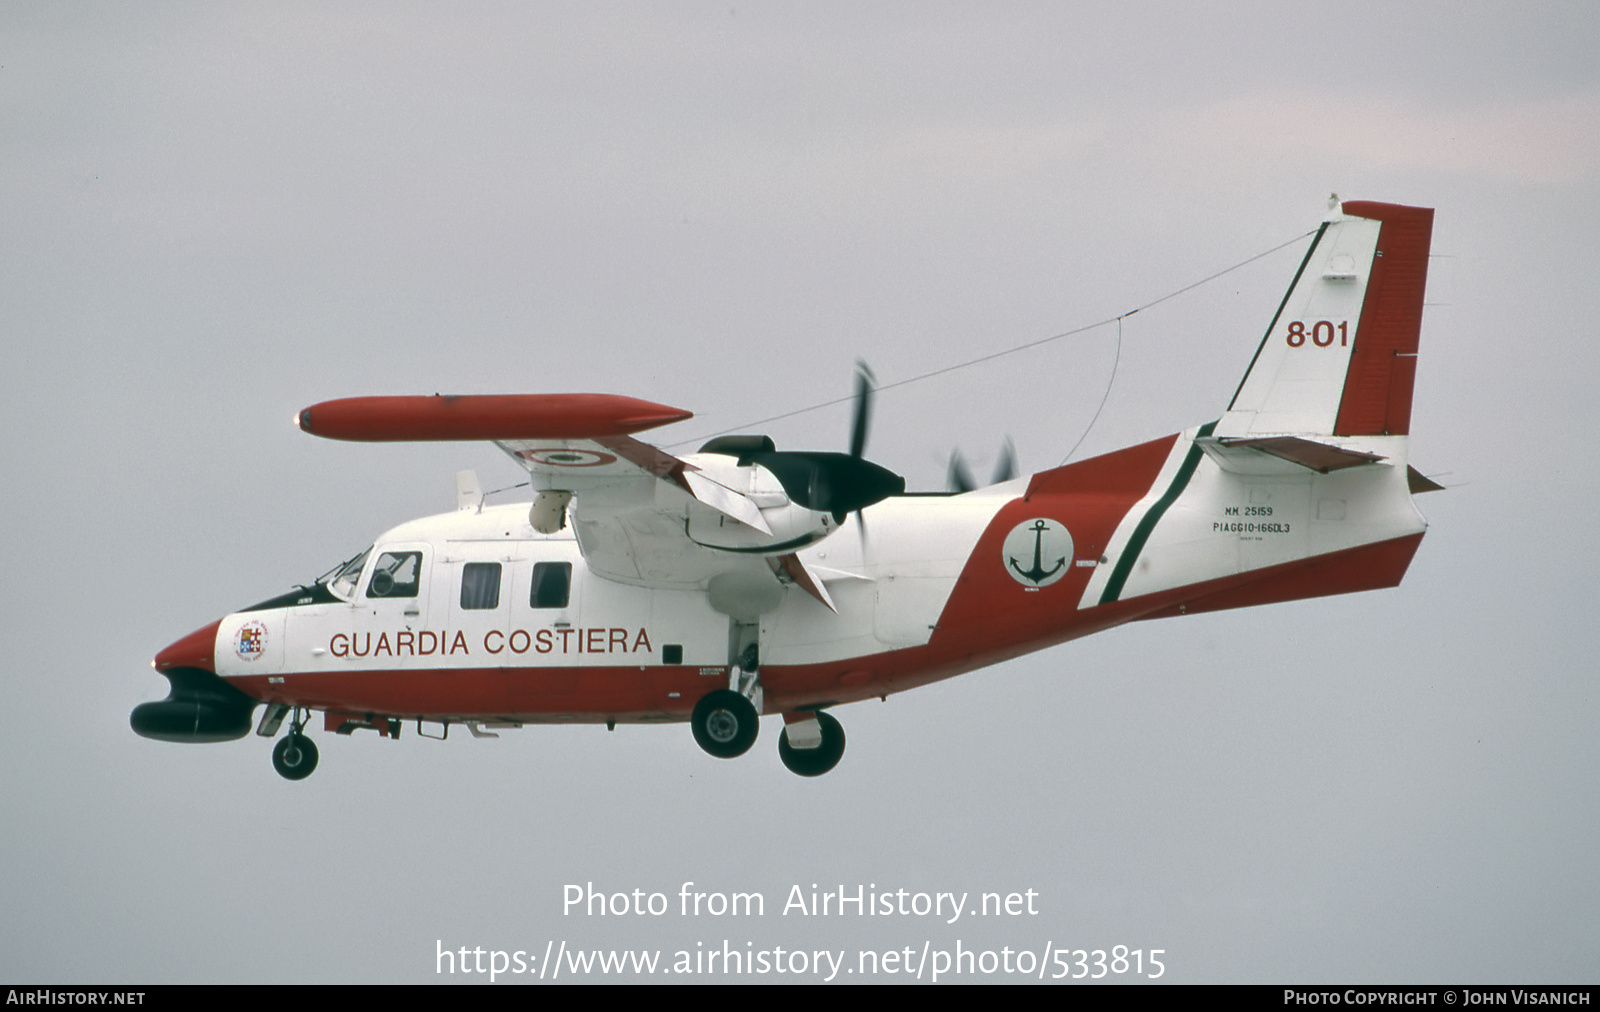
1261,455
1418,483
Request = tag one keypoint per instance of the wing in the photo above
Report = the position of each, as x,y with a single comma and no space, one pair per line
636,511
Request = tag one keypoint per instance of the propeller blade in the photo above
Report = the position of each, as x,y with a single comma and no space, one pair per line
1006,468
858,429
837,483
959,478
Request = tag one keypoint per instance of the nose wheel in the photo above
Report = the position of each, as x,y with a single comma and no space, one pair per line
295,757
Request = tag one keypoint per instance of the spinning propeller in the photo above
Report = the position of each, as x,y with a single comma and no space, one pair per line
836,483
1005,469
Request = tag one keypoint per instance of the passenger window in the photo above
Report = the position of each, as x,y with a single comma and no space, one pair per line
480,586
552,584
396,575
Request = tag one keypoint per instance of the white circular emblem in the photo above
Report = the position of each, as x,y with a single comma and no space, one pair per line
250,642
568,458
1037,552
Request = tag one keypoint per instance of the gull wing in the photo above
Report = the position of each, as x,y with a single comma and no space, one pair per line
632,504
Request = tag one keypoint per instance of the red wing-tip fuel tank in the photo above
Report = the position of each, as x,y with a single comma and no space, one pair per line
745,579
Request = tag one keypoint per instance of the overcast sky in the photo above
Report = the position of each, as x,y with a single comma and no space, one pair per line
217,214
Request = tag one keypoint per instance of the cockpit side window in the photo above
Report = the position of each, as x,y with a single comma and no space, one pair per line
552,584
342,581
480,586
396,574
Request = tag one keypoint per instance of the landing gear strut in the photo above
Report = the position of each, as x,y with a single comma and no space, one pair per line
296,755
820,758
725,723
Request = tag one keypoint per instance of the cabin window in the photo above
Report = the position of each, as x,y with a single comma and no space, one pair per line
396,574
480,586
552,584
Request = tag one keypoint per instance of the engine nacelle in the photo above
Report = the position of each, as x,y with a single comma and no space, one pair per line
802,496
791,526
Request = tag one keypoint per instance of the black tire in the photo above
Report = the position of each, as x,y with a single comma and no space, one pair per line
294,757
725,724
813,762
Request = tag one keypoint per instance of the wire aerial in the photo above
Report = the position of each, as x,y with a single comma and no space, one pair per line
1117,319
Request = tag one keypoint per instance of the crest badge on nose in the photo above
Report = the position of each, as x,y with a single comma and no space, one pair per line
1037,552
251,641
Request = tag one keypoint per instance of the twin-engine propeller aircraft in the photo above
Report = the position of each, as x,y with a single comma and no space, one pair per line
724,584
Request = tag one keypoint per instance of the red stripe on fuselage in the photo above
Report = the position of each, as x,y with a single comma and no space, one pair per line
1367,567
576,694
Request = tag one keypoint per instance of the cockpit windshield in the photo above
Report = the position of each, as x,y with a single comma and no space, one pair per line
341,579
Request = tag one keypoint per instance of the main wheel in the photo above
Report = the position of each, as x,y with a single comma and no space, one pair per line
813,762
295,756
725,723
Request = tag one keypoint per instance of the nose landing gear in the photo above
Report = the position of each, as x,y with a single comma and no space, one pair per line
295,757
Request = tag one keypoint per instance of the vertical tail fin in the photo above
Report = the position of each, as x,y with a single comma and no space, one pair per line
1340,356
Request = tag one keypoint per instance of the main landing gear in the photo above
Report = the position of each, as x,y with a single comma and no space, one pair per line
798,751
295,757
725,723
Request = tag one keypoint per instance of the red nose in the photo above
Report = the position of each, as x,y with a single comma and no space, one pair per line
196,650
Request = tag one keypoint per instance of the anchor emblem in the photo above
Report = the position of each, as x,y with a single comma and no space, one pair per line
1044,539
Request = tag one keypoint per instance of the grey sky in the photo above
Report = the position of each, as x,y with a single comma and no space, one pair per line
215,215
